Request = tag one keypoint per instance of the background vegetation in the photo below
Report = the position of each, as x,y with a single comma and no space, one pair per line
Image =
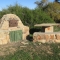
45,12
29,17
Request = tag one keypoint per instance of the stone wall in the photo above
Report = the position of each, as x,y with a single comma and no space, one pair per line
46,37
4,37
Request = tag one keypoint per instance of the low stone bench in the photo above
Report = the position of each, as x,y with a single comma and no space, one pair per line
48,37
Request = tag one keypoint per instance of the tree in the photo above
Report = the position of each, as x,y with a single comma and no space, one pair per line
57,1
27,16
41,3
53,9
41,17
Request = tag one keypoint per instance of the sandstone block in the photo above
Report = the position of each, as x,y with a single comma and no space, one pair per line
58,36
52,36
42,41
47,36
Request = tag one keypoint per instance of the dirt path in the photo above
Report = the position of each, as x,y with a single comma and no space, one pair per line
10,48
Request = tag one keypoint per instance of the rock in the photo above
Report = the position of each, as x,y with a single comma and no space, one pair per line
58,36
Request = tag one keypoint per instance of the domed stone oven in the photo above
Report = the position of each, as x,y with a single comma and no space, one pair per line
12,29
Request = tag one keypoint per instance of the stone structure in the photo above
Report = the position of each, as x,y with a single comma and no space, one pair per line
48,35
11,22
48,27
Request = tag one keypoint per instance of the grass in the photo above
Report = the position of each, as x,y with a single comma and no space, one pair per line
56,28
35,51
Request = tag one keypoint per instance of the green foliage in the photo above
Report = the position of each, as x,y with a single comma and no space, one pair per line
56,28
41,17
41,3
29,17
53,9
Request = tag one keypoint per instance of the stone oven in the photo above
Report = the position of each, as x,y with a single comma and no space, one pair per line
12,29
